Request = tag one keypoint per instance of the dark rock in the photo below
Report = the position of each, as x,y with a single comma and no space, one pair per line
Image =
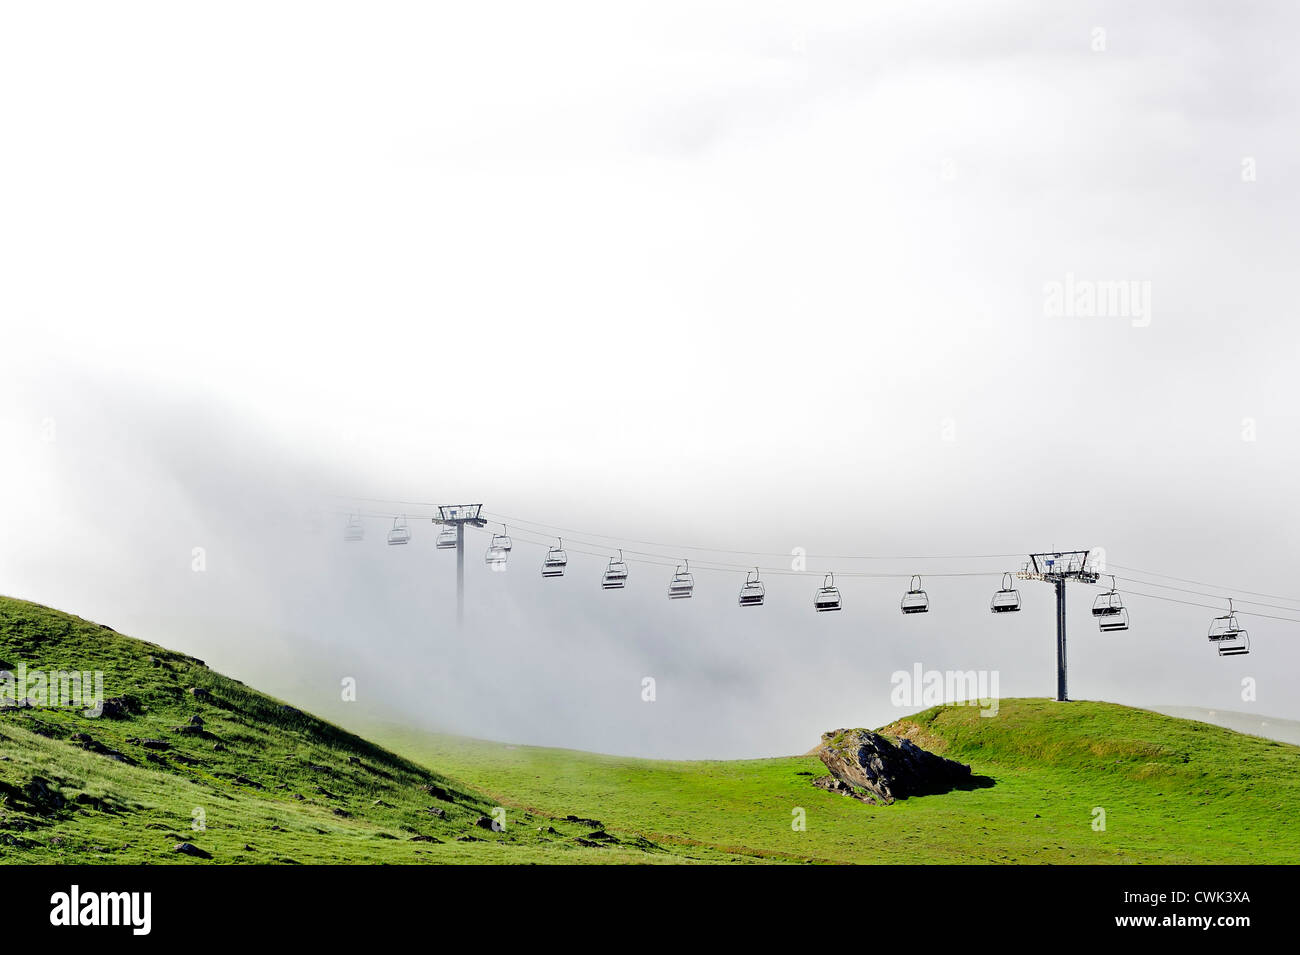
437,792
150,743
487,822
245,781
424,839
880,769
435,811
120,708
200,694
186,848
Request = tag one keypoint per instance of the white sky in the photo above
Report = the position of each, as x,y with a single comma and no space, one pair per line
682,272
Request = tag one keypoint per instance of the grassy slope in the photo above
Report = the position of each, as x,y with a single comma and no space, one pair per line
1174,791
287,786
291,787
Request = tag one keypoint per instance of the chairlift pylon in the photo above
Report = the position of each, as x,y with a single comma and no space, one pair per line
556,560
615,577
682,586
827,597
752,594
916,600
401,532
1007,598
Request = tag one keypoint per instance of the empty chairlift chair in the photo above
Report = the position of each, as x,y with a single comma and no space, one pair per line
751,595
447,537
401,532
354,531
683,583
498,551
615,577
1109,610
1007,598
555,562
916,600
828,596
1228,636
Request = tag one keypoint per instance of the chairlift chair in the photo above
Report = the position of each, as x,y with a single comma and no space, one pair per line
502,540
915,600
1007,598
354,531
1109,610
555,562
682,585
401,532
496,555
1228,636
447,537
751,595
615,577
827,597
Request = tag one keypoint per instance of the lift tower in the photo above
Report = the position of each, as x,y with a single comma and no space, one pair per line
1056,567
458,515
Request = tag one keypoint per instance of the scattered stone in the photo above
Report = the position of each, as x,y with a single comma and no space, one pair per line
424,839
342,812
487,822
245,781
185,848
200,694
218,747
437,792
150,743
120,708
435,811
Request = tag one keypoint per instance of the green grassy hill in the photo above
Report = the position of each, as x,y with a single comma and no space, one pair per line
1173,791
274,784
270,783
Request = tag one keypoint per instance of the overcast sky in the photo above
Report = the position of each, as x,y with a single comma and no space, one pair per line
751,276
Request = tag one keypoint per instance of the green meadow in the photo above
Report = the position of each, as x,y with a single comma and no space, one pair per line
256,780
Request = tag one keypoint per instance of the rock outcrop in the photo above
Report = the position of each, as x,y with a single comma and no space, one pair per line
879,769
